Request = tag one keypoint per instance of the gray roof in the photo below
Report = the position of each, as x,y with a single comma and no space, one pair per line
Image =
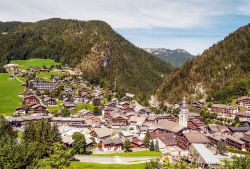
112,141
205,154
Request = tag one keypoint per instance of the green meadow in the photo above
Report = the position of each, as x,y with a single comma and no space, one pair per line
9,90
47,75
35,63
83,165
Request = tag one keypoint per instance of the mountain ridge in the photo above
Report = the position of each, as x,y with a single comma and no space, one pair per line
176,57
214,74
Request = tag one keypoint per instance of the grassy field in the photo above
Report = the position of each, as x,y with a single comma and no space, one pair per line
232,150
47,75
9,90
135,153
82,165
79,107
35,63
57,107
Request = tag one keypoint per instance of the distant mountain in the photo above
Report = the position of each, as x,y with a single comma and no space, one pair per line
175,57
220,74
101,53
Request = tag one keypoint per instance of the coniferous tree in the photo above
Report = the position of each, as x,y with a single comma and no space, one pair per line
127,145
156,147
146,139
151,146
221,147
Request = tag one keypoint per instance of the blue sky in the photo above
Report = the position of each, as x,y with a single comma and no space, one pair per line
193,25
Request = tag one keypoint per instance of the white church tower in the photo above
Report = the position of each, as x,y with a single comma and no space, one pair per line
183,115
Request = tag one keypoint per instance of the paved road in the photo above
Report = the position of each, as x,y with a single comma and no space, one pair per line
18,79
115,159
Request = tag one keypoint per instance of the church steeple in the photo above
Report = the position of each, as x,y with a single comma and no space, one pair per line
183,115
184,104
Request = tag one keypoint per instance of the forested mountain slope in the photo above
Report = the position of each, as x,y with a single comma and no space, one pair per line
219,74
93,46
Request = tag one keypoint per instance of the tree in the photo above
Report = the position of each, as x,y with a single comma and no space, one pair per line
127,145
156,147
79,144
237,163
221,147
6,129
153,164
146,139
97,111
236,121
151,146
59,159
65,112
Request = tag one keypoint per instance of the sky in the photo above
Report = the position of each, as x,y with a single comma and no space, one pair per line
194,25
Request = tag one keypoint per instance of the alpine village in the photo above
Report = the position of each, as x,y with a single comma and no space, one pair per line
76,94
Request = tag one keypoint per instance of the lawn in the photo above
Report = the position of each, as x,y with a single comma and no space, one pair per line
79,107
232,150
83,165
35,63
57,107
9,90
47,75
135,153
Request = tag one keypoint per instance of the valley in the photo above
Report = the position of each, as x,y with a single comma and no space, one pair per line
75,94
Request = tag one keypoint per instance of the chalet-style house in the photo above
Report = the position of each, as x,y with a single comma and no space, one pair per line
94,121
246,139
117,120
244,101
37,109
214,128
195,124
85,113
223,109
197,105
111,144
165,139
137,121
235,142
69,105
44,86
20,111
169,127
30,99
137,143
76,122
101,133
186,139
239,129
22,120
216,138
49,101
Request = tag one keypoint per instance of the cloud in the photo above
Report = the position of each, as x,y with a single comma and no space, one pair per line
123,13
189,24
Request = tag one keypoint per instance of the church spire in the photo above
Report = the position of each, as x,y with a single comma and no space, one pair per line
183,115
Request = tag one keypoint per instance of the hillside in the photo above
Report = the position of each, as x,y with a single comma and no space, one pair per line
175,57
220,73
101,53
